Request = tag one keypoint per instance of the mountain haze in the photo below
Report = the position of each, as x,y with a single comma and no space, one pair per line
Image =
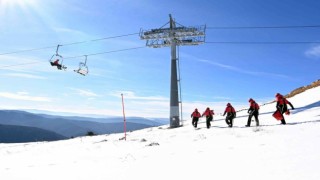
19,134
69,126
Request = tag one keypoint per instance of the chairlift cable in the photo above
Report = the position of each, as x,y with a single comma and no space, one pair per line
67,44
99,39
85,61
263,27
28,50
106,52
208,27
22,64
262,42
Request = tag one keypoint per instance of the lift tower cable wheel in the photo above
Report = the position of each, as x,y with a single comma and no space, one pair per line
172,37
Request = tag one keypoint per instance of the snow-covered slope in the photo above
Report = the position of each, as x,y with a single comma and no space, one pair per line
271,151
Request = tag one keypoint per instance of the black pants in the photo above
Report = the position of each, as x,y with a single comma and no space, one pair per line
229,119
283,121
195,121
59,66
208,120
283,109
255,117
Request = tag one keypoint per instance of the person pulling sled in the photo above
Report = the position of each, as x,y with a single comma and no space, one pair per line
282,108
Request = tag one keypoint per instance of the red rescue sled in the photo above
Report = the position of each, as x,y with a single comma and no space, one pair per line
277,115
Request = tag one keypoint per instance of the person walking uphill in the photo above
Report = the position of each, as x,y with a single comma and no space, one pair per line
195,117
231,114
253,111
282,106
209,116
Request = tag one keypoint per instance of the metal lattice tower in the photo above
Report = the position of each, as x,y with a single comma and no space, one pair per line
172,37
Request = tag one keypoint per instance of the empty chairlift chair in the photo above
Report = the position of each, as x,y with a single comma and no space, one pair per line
83,68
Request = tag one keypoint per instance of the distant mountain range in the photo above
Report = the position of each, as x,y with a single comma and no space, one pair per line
67,127
19,134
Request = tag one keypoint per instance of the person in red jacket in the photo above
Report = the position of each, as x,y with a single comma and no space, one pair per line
56,63
231,114
282,106
195,117
253,111
209,116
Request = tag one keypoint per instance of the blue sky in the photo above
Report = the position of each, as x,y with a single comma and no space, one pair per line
212,74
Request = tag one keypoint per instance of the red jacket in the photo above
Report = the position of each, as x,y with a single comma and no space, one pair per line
196,114
254,105
229,109
208,112
56,61
282,101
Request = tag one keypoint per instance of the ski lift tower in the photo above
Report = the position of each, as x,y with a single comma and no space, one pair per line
172,37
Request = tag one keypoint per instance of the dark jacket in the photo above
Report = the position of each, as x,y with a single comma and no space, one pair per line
254,108
230,111
282,104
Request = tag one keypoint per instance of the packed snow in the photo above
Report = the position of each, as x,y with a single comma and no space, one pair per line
270,151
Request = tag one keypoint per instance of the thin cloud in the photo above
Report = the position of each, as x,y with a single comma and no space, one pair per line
68,30
215,98
22,64
236,69
85,93
133,96
22,75
313,52
24,96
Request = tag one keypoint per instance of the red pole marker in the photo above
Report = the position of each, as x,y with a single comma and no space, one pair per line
124,120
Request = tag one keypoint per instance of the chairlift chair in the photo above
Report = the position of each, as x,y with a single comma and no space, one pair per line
56,58
83,68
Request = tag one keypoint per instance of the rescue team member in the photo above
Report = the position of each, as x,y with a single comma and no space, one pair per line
253,111
282,106
231,114
195,117
209,116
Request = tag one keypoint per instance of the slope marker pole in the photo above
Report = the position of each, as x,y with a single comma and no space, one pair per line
124,120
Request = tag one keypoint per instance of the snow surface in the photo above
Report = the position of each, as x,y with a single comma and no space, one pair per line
271,151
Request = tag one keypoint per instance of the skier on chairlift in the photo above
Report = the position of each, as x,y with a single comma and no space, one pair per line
57,58
56,63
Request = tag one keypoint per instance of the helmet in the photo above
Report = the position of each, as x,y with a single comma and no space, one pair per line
278,94
196,109
250,100
228,104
